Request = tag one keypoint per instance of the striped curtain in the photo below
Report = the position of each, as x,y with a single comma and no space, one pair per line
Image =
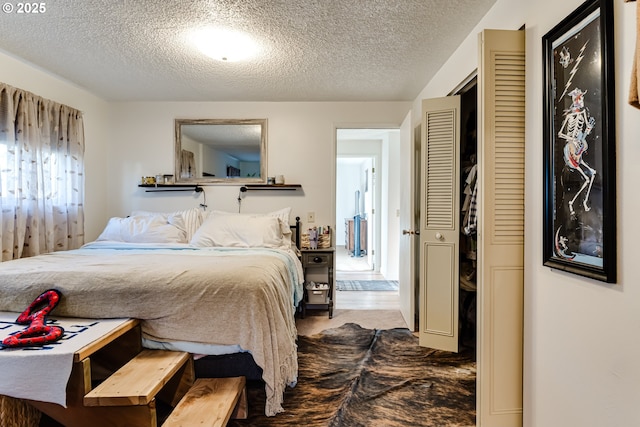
41,175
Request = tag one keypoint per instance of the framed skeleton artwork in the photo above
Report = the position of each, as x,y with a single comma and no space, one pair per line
579,143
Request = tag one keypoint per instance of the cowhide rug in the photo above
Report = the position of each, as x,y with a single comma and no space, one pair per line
351,376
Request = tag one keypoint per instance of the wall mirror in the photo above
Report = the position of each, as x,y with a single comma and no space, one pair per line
220,150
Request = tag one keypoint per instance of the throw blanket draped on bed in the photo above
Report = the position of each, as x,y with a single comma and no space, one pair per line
209,296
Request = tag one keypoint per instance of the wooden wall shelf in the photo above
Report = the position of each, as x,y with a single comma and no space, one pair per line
197,188
291,187
150,188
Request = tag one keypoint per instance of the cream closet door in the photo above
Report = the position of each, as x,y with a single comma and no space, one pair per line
501,90
501,118
439,223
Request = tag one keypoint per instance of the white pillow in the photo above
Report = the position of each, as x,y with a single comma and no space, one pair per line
241,231
192,218
145,229
282,214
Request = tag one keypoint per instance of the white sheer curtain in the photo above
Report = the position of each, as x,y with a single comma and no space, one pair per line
41,175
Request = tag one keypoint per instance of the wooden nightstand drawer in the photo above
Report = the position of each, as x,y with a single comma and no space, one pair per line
316,260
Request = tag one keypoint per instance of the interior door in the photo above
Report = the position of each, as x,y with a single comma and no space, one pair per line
407,266
501,130
369,203
439,223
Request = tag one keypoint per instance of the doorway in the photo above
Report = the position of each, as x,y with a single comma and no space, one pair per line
354,204
366,231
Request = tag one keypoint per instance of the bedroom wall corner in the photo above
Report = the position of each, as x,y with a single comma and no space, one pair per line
25,76
581,351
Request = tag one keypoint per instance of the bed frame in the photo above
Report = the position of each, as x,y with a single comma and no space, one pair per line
296,232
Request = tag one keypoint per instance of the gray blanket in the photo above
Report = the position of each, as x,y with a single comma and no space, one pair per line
243,297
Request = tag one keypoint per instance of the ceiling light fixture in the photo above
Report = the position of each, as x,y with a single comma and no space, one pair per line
224,45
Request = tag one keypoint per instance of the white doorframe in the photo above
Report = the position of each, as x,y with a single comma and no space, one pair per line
367,133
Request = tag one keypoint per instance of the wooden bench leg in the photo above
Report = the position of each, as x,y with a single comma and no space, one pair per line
241,411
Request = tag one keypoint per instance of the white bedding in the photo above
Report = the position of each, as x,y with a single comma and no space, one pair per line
196,298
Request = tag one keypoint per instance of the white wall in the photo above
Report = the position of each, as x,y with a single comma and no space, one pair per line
584,331
96,126
301,146
581,336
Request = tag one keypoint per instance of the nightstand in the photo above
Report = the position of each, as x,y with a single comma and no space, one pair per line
319,285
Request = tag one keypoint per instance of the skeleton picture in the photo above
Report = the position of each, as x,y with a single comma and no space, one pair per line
577,125
579,201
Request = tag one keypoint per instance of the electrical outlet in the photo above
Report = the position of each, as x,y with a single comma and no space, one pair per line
311,217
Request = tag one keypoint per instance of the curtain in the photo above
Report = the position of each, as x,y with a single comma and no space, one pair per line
41,175
187,164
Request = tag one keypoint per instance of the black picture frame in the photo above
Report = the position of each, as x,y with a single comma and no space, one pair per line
579,144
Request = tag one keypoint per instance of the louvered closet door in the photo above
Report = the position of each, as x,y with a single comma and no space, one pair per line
501,121
439,223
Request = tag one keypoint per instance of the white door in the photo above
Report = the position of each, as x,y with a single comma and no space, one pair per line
439,223
407,247
501,119
369,203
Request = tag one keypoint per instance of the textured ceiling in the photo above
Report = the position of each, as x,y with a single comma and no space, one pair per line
311,50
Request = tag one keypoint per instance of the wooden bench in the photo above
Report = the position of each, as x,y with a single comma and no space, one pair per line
211,402
130,380
139,381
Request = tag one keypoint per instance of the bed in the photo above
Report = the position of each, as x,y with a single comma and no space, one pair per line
210,284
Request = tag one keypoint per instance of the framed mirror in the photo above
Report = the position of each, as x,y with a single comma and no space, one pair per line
210,151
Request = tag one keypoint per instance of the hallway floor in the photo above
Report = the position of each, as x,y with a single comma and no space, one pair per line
350,268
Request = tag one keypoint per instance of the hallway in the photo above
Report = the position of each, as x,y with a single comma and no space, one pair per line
350,268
